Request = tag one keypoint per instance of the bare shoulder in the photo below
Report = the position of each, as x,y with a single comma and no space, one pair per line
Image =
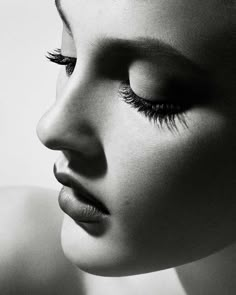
31,258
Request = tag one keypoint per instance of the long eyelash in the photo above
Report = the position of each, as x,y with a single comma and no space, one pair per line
163,113
58,58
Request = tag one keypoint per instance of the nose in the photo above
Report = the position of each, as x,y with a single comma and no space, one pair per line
71,125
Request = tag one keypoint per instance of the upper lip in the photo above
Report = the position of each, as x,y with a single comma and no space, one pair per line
68,180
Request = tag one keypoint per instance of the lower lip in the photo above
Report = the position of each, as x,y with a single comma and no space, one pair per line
76,207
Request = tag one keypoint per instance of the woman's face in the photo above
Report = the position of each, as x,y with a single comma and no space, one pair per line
145,121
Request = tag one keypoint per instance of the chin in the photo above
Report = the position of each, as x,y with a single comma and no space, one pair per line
87,248
102,255
96,254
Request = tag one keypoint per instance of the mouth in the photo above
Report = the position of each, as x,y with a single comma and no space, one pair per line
76,201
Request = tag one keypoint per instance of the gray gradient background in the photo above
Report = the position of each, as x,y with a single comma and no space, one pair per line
28,29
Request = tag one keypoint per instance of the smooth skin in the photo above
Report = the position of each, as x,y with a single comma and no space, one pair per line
171,195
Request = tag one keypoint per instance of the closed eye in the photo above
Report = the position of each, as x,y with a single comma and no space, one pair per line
58,58
161,113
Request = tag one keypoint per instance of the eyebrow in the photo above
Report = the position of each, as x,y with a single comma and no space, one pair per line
145,47
63,16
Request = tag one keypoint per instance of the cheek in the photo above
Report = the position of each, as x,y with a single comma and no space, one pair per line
171,186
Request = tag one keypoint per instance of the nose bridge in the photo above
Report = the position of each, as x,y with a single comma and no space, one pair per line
71,122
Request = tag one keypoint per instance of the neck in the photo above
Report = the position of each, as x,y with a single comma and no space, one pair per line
212,275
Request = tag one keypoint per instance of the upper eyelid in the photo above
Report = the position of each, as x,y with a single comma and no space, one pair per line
68,47
68,56
57,57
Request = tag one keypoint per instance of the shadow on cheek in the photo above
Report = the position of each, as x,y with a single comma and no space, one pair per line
91,167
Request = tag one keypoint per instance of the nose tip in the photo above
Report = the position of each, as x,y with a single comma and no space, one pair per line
48,132
65,131
60,128
76,138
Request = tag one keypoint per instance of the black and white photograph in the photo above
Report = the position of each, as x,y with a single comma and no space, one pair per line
118,147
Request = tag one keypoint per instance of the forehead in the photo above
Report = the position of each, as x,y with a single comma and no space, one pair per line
187,25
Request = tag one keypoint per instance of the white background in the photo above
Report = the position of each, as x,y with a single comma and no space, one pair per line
28,29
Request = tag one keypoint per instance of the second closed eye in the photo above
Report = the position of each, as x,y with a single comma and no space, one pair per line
58,58
161,111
